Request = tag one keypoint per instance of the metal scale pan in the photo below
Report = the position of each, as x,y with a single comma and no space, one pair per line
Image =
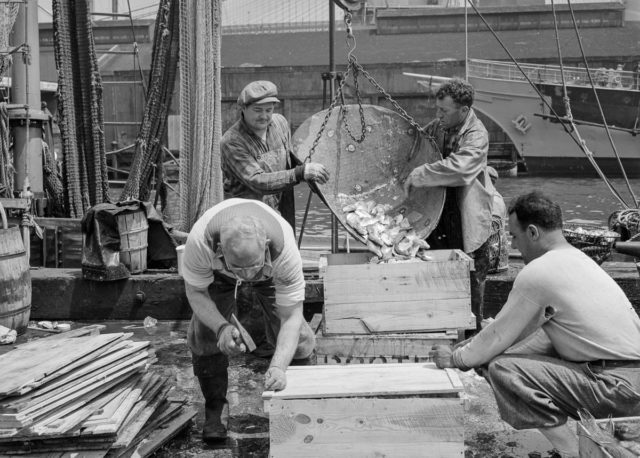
374,169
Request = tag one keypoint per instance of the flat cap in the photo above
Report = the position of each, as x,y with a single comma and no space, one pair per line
258,92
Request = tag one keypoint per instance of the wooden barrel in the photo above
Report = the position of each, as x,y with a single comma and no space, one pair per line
15,279
133,229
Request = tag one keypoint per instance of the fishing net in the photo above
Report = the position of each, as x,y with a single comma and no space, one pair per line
200,94
8,13
164,64
80,107
626,223
593,240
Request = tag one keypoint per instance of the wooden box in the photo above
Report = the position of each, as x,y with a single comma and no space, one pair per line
361,298
377,348
591,448
391,410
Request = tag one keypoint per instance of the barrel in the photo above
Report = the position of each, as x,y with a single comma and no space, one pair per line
15,279
133,229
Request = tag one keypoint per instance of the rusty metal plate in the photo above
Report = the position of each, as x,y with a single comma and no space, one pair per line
374,169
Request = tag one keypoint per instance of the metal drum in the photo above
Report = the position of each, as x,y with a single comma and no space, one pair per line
375,168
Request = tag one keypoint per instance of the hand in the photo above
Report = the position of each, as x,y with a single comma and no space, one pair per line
229,341
316,172
442,355
275,379
408,185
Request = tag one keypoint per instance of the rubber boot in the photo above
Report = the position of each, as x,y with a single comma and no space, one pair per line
214,389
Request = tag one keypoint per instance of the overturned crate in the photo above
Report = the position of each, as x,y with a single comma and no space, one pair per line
393,410
401,297
377,348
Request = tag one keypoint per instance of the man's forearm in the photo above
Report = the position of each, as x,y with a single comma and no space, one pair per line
204,308
287,341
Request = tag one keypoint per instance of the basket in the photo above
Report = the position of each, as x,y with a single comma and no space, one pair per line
373,169
593,240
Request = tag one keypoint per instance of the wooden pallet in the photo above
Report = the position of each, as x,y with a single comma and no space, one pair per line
377,348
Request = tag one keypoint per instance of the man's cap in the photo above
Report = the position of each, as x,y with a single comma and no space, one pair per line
258,92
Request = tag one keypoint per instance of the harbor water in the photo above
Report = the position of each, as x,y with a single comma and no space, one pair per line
584,199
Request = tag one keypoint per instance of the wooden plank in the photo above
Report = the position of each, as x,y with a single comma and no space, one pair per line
34,360
400,282
364,380
160,436
348,427
386,318
316,321
349,347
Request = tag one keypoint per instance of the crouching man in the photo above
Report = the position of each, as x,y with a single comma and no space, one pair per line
241,257
567,338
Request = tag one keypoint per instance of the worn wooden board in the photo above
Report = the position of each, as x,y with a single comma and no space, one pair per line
365,380
34,360
411,297
348,427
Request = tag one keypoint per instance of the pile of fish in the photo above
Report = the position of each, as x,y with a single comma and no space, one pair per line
390,238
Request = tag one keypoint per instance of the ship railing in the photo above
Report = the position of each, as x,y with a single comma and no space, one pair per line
538,73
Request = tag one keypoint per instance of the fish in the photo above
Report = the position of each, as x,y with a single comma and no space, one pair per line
388,237
603,435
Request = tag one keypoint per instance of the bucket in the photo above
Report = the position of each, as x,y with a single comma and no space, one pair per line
15,279
133,229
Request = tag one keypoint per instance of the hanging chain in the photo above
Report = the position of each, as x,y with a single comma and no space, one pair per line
354,67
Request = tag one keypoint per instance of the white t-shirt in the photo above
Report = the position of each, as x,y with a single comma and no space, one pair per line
201,259
581,309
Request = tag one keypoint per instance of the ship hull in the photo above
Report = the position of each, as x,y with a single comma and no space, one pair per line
542,143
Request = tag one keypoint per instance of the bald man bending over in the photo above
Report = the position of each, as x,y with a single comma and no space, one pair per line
241,257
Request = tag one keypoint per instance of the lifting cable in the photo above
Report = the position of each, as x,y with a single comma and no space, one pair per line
562,122
595,93
355,68
569,116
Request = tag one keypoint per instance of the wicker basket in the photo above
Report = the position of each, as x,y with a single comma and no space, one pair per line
375,168
498,246
593,240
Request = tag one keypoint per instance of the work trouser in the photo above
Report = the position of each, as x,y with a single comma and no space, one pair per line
537,391
253,303
447,235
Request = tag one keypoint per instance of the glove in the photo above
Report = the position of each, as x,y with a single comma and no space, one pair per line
316,172
229,340
442,355
275,379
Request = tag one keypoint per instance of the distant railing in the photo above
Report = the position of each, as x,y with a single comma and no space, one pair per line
604,77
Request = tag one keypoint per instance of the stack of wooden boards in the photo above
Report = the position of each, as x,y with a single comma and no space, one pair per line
82,391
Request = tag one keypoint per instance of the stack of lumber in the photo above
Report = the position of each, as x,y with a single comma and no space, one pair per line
82,391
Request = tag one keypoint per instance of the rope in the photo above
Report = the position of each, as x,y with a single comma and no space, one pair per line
81,124
578,141
6,159
595,93
148,145
200,94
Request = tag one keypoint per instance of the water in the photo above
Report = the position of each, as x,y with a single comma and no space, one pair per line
585,199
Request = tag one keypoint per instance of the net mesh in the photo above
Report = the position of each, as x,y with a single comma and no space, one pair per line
200,95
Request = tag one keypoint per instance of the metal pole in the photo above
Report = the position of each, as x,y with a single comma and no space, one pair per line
332,88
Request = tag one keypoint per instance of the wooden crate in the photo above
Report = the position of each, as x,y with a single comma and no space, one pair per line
361,298
392,410
377,348
590,448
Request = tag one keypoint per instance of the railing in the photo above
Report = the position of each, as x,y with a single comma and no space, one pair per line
603,77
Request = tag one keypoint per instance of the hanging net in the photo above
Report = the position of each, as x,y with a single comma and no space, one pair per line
164,63
8,13
80,107
200,168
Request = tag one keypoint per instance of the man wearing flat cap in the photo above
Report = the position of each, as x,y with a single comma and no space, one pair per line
256,153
